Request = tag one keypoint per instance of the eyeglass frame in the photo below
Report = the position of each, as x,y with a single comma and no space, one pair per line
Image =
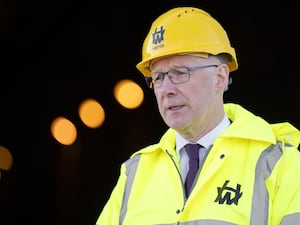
151,83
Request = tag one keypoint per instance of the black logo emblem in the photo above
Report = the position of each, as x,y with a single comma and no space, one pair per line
158,35
230,196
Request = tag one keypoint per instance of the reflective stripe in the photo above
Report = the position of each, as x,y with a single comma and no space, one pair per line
201,222
207,222
260,200
131,165
292,219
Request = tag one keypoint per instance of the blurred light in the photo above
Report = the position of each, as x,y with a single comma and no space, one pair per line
6,159
64,131
129,94
91,113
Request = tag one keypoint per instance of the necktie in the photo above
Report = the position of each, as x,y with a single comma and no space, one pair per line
193,154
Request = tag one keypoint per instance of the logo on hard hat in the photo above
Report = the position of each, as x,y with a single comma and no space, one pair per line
158,37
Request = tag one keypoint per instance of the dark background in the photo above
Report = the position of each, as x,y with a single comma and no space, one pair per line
56,53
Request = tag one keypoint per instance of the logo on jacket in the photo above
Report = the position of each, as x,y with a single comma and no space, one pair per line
228,194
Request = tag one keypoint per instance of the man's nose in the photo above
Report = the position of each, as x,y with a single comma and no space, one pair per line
167,84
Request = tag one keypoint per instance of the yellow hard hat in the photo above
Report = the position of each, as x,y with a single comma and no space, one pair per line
185,30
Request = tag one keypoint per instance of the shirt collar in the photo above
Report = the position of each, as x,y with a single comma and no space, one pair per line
208,139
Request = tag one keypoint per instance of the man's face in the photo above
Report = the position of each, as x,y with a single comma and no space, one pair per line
188,105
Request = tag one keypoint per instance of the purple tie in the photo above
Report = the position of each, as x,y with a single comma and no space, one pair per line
193,153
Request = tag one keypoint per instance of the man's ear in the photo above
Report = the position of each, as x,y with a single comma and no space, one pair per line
222,77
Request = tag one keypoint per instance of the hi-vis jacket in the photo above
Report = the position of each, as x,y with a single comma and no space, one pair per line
251,176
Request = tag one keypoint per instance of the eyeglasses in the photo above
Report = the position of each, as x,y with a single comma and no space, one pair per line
176,75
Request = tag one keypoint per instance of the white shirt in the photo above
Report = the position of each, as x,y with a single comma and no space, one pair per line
206,141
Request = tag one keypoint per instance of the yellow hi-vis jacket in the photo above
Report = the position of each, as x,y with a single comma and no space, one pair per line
251,176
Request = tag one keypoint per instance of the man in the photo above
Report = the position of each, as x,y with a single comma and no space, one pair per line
239,169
